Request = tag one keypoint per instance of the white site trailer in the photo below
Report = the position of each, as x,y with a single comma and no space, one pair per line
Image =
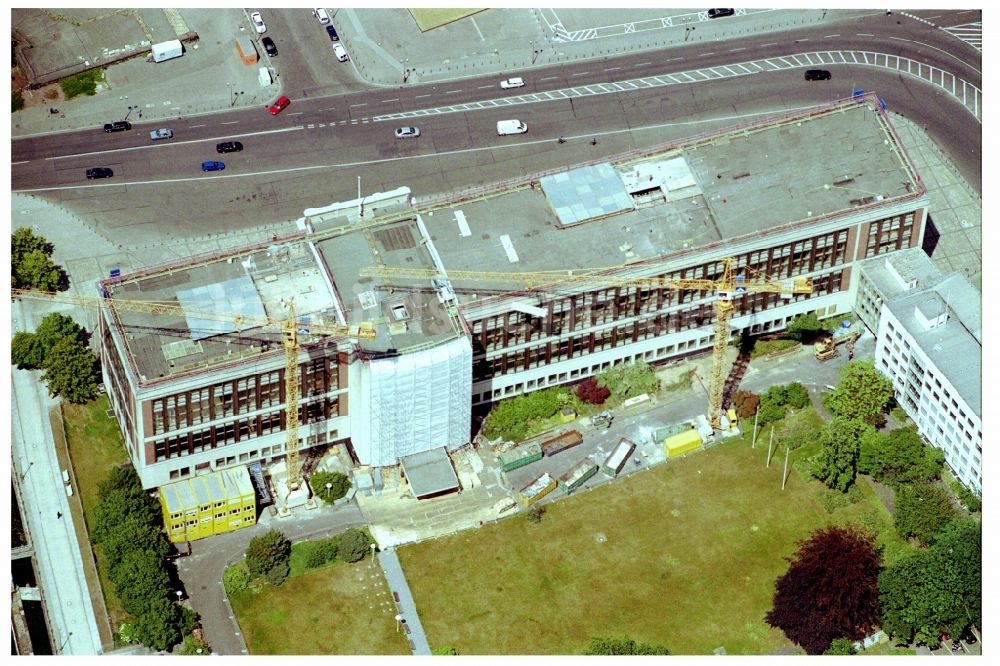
167,50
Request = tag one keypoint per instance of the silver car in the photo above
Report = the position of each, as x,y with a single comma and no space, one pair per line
407,132
162,133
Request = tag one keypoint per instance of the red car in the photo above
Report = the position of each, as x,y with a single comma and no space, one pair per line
279,106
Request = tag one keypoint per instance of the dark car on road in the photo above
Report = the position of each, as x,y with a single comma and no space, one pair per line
330,30
99,172
229,147
269,46
118,126
719,13
818,75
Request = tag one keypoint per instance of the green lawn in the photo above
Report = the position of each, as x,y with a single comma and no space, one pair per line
428,18
688,559
339,609
95,446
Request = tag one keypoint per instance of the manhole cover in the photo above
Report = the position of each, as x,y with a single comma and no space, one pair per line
600,538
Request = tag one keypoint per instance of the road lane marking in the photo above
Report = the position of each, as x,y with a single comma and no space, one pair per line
231,122
451,92
642,64
394,99
362,104
419,96
829,36
193,126
611,69
22,162
742,48
178,143
549,78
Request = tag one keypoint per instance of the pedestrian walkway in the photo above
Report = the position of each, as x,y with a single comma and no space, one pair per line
407,608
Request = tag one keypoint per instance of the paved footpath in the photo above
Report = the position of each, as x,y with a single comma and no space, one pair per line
407,608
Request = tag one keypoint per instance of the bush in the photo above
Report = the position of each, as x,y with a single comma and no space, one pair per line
796,395
320,552
340,485
16,101
236,579
628,381
841,646
922,510
806,327
267,551
588,391
277,574
192,647
970,499
511,418
84,83
745,403
353,545
535,514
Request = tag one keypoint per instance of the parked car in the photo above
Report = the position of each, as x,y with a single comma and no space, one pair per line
258,23
228,147
269,46
340,52
162,133
407,132
321,16
515,82
99,172
330,30
118,126
719,13
212,166
279,106
818,75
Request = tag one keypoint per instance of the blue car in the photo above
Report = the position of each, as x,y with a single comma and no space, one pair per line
212,166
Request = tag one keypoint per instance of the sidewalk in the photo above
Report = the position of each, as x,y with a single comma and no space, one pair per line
407,608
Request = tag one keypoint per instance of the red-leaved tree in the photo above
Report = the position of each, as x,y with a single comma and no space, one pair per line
830,589
590,392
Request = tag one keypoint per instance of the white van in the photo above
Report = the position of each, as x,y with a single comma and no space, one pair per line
320,14
505,127
340,52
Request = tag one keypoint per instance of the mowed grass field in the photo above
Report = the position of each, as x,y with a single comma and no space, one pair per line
684,555
428,19
326,611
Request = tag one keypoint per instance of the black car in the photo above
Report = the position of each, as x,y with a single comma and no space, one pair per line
719,13
99,172
229,147
269,46
334,37
118,126
818,75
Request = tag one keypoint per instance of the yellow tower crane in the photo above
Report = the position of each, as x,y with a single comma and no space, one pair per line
289,330
725,288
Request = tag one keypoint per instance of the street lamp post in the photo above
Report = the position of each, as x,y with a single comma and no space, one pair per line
399,618
65,642
373,547
329,489
27,469
406,69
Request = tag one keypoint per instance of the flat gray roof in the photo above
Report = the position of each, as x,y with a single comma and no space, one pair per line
699,192
429,472
912,265
954,347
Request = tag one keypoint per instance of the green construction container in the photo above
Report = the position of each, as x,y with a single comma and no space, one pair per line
521,456
577,475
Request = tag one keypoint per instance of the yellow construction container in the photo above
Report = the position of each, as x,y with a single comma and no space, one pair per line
214,503
679,444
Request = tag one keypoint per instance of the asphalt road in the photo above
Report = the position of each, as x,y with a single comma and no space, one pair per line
313,152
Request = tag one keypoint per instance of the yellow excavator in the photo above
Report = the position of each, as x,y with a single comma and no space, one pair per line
827,348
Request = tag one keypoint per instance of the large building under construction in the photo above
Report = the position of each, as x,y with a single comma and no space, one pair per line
498,291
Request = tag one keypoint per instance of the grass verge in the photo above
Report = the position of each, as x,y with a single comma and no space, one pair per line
95,445
684,555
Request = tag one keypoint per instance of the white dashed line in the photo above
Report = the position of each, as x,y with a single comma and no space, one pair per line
24,162
451,92
707,54
362,104
771,44
193,126
829,36
394,99
580,74
231,122
549,78
642,64
865,34
611,69
742,48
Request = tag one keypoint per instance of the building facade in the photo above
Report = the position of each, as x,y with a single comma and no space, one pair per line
929,343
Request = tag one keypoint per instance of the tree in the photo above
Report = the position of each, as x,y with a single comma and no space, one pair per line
796,396
922,510
163,624
139,579
277,574
588,391
236,579
627,381
904,457
830,589
130,535
841,646
30,263
806,327
71,371
862,393
745,403
837,463
511,418
29,350
935,591
267,551
339,485
869,451
535,514
353,544
622,645
26,351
